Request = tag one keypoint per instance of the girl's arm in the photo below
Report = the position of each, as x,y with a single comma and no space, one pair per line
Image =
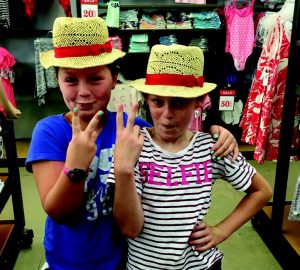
257,195
61,198
225,142
127,209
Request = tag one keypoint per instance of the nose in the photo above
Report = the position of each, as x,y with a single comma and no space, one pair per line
83,89
168,111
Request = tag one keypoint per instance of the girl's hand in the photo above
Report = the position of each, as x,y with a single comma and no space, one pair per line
129,141
225,144
82,148
204,237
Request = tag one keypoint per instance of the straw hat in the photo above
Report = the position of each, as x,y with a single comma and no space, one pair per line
80,43
175,71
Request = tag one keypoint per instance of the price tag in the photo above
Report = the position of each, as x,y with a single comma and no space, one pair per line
89,8
226,102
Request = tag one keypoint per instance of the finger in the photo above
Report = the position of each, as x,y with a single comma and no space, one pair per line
235,153
92,126
75,121
136,131
199,226
224,150
119,118
219,142
132,115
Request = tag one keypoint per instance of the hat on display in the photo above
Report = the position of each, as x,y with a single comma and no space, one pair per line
175,71
80,43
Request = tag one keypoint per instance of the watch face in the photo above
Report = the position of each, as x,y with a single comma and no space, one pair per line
77,175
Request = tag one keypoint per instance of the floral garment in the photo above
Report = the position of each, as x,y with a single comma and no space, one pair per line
261,120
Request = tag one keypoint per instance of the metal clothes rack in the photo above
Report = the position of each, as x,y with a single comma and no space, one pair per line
13,235
281,235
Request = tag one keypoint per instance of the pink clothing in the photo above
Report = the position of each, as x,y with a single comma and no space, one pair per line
196,121
240,33
261,122
6,75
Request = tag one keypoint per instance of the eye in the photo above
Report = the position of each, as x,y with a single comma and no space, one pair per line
179,103
70,80
96,78
158,102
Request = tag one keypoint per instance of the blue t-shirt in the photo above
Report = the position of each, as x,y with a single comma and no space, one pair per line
93,242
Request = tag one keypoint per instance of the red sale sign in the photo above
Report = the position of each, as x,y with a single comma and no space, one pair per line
93,2
89,8
226,101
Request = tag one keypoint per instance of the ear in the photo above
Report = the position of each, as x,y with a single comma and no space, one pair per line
115,79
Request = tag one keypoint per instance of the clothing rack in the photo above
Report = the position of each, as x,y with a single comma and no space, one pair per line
13,235
281,235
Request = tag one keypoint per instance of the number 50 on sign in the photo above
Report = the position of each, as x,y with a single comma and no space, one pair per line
226,102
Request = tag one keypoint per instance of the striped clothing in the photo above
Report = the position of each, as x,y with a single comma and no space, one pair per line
176,194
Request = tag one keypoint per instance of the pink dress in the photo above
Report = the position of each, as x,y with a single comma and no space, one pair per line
261,121
7,75
196,121
240,33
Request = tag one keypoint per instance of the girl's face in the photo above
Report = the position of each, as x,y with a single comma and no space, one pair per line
87,89
171,116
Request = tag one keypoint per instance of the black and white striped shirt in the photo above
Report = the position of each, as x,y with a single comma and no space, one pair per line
176,195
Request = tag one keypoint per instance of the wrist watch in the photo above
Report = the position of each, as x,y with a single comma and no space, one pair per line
76,175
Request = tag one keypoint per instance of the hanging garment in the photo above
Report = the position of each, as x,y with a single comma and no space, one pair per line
239,32
45,78
196,123
113,14
4,14
30,5
7,75
294,213
66,5
233,117
261,121
296,130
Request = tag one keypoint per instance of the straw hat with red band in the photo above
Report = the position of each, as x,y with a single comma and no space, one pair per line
175,71
80,43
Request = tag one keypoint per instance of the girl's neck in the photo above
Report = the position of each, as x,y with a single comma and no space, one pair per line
174,145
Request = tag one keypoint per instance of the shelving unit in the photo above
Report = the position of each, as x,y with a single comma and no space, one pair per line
13,235
281,235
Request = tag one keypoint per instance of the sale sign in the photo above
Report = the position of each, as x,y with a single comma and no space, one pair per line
226,101
89,8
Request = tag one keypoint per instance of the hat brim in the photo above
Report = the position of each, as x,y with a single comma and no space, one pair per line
47,60
173,90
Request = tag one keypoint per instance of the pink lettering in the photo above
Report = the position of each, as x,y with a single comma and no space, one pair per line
206,172
169,177
153,174
144,173
184,173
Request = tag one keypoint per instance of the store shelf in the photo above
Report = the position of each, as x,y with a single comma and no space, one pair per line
285,245
5,192
6,230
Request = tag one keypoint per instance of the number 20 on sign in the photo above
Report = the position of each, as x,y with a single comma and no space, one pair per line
226,102
89,8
